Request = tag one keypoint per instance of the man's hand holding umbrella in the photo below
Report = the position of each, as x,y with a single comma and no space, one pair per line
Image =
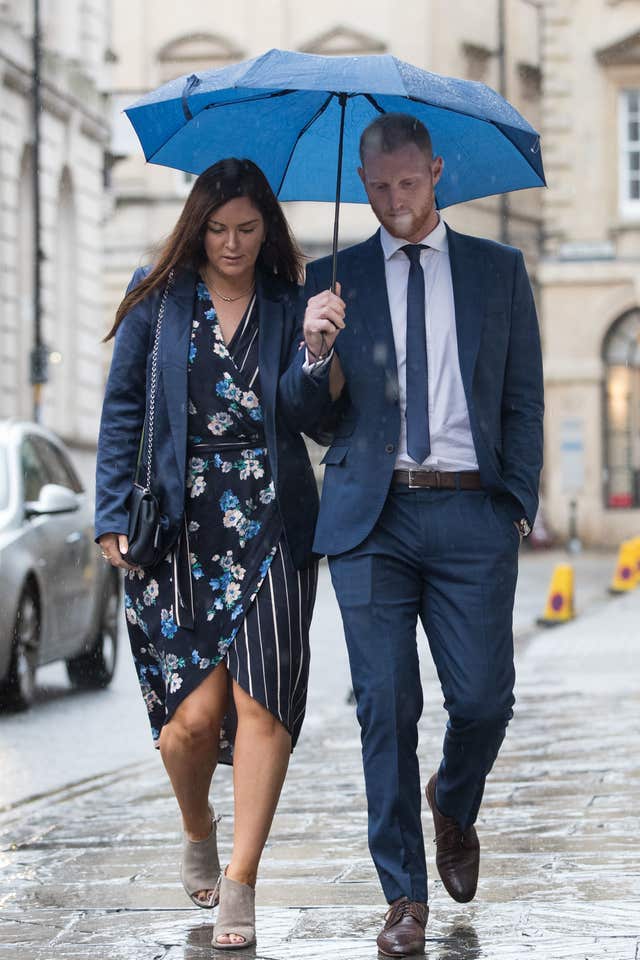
324,318
323,321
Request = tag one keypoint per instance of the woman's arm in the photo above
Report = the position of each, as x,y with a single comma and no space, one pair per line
123,413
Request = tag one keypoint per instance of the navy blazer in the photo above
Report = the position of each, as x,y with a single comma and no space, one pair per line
124,407
501,367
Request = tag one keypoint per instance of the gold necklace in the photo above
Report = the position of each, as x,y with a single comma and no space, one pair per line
230,299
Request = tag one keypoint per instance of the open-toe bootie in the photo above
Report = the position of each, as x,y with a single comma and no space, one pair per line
236,915
200,868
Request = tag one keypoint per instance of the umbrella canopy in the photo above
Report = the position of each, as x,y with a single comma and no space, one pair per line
285,111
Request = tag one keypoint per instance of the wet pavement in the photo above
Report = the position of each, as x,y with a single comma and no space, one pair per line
89,869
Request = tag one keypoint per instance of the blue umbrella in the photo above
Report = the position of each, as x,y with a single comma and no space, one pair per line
299,117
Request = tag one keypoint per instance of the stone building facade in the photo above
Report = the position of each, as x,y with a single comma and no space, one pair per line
74,136
589,276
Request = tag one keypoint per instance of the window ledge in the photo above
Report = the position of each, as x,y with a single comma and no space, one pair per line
626,223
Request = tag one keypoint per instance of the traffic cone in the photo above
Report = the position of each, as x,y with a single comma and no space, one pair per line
636,542
625,577
560,606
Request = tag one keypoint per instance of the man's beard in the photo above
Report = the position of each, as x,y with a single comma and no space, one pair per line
407,224
401,226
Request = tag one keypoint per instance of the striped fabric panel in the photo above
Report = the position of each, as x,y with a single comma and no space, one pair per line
270,656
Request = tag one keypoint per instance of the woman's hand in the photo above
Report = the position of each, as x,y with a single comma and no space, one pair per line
113,546
323,321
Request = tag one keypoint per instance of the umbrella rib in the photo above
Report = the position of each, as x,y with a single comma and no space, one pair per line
254,99
211,106
459,110
501,128
321,109
374,103
524,156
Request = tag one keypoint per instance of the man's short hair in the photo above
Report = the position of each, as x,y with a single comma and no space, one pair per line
390,131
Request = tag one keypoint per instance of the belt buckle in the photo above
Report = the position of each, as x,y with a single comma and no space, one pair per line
412,474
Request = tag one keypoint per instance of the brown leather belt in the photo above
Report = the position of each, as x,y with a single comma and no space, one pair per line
435,480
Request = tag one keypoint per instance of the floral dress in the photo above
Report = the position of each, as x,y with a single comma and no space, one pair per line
233,538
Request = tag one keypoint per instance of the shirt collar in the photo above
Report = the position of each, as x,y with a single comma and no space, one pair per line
437,240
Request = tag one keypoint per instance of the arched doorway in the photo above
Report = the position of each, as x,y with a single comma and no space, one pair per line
621,355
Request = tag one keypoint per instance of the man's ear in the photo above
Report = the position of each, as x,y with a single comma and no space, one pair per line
437,166
361,175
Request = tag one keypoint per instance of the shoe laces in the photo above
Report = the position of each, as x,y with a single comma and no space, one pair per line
405,908
454,829
453,836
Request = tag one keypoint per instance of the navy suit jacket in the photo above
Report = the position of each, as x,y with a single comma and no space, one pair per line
501,367
125,403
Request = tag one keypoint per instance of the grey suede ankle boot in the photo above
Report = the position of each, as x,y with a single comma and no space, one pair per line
236,915
200,867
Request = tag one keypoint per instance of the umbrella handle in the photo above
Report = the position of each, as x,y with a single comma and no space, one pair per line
342,99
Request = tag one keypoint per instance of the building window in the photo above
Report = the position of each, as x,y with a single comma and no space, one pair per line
477,62
630,152
530,81
184,182
622,412
124,141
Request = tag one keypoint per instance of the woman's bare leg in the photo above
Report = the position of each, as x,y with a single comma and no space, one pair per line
189,749
260,760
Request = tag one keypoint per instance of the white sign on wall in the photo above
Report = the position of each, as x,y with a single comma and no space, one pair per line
572,454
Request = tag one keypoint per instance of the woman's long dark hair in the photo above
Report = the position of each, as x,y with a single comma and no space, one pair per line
184,247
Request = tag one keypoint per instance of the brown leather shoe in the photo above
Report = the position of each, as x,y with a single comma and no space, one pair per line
403,931
457,852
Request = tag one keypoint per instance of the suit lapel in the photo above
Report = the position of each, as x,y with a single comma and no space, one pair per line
469,295
271,310
175,338
370,284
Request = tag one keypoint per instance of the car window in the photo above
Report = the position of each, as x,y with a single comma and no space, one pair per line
58,468
34,475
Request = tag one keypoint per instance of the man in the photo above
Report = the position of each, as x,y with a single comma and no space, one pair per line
431,481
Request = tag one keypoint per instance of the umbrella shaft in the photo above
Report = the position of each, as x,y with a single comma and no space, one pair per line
336,222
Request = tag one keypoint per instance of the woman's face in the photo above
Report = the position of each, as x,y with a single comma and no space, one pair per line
233,236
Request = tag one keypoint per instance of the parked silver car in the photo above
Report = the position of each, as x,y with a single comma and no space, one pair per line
58,599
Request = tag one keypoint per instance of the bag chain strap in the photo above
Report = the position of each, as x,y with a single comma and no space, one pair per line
154,377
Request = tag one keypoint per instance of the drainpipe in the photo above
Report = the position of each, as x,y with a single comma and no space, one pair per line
39,352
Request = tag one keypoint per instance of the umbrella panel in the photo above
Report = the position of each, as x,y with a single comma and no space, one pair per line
480,160
263,131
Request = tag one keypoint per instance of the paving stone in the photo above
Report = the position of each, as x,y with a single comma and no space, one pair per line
91,873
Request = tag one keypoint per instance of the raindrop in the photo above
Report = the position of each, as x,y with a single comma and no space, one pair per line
380,354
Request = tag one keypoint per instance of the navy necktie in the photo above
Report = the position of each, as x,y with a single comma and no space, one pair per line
418,441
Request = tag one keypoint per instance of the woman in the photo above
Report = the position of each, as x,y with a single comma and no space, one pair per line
219,627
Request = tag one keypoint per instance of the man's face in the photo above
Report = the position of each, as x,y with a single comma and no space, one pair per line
400,187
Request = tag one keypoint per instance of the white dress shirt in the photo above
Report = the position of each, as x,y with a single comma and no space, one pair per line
451,441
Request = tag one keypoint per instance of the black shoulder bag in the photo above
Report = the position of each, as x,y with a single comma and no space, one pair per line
145,549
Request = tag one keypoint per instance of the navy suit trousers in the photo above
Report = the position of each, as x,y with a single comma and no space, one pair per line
450,558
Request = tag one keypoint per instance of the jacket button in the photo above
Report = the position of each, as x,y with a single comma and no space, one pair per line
390,447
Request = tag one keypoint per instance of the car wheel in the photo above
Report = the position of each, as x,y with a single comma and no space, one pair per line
95,669
18,690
